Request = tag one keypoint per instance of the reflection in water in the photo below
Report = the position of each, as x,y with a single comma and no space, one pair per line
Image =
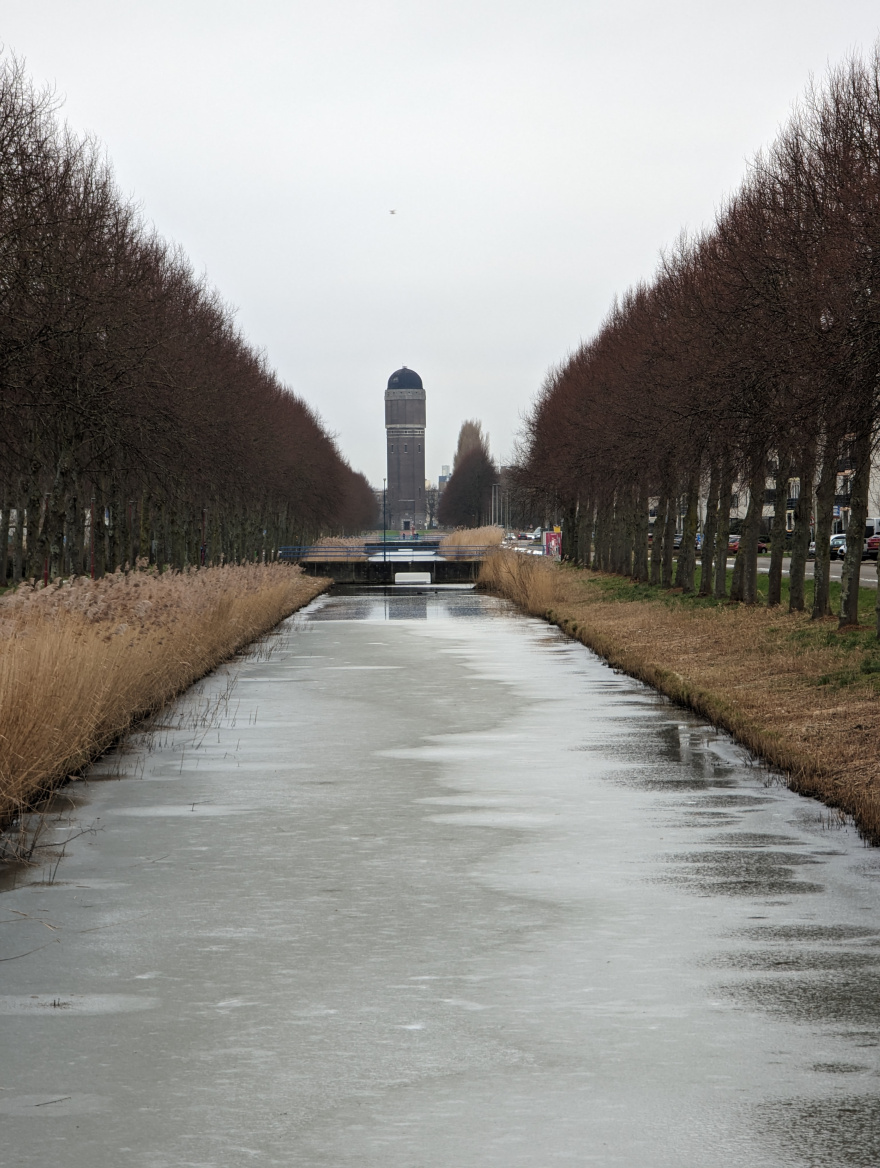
843,1132
803,968
403,604
747,802
809,933
741,872
850,998
751,839
795,960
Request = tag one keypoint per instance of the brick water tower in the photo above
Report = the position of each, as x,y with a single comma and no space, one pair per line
405,441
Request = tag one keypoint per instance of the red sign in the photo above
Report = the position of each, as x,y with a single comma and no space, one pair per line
553,544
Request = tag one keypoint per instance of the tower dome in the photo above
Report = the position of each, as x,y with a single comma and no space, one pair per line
405,379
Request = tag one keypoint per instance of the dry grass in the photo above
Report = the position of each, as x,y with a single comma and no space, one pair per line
472,537
338,548
80,662
529,581
797,693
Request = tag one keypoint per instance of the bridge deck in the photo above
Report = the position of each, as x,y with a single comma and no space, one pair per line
375,563
382,571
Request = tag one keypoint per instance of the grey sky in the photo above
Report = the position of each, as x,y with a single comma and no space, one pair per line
537,155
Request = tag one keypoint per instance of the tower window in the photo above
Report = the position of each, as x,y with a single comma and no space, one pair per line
404,448
420,448
392,447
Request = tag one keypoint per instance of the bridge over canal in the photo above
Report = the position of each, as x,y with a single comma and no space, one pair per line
385,563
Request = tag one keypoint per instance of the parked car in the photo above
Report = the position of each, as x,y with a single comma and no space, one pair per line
733,545
873,547
838,547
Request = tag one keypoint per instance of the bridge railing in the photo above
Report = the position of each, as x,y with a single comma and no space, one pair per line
415,551
476,552
318,552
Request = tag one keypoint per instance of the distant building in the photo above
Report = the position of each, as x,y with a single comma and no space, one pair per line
443,479
405,441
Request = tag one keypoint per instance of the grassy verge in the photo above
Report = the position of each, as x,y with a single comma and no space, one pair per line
796,692
80,662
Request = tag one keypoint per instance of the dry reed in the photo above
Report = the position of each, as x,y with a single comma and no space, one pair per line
796,693
527,580
81,661
338,548
472,537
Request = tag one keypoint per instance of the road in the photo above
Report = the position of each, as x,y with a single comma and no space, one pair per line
867,579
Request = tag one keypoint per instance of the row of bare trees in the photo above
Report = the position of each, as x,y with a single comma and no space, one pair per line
751,363
135,420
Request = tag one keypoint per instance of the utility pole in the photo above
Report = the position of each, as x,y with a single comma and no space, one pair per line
384,553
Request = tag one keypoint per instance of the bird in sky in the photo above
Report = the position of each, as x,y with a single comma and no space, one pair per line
392,212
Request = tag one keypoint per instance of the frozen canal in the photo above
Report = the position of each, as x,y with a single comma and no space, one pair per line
434,888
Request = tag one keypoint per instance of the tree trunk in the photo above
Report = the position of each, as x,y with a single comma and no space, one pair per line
103,520
624,541
73,529
4,540
822,531
778,533
800,540
722,537
606,543
744,586
684,576
855,537
669,539
33,524
144,551
640,554
657,540
584,519
628,533
710,529
55,520
569,533
18,541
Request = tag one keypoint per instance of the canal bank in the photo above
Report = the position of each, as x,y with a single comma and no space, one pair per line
800,694
84,660
431,884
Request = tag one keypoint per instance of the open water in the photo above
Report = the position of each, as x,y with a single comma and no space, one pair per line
430,886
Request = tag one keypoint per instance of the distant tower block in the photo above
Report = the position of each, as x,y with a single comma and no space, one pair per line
405,439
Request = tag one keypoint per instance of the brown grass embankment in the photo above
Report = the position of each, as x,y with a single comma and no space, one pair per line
472,537
80,662
797,693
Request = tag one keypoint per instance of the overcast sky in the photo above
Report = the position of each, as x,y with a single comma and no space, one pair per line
538,155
